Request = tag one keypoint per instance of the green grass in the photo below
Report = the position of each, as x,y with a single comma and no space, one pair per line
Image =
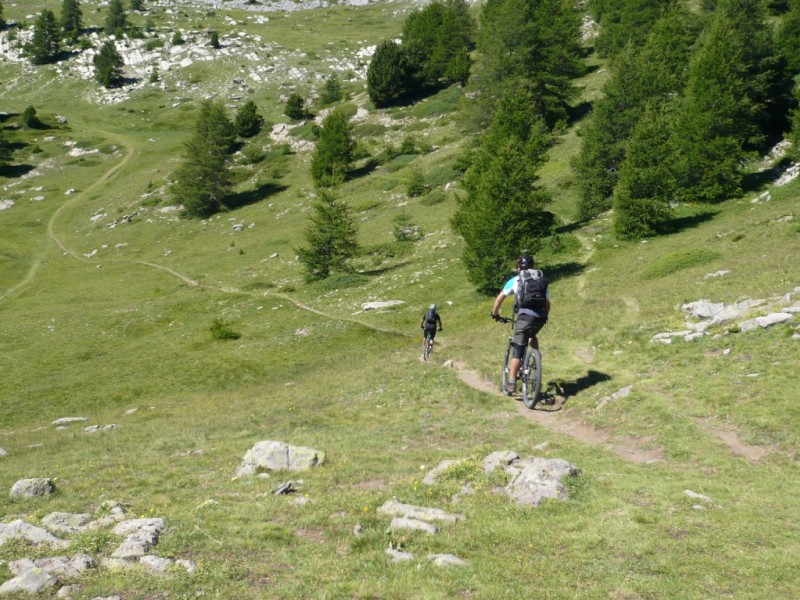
97,336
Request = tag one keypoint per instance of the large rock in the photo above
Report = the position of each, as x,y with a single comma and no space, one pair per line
765,321
278,456
33,581
537,479
432,475
380,305
412,524
33,488
56,565
19,529
67,522
141,535
69,420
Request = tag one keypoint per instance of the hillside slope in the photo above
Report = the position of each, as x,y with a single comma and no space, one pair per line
107,299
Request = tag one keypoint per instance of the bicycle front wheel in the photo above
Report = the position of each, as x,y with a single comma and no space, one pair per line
505,370
531,378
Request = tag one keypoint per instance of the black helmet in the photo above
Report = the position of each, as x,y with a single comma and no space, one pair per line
525,262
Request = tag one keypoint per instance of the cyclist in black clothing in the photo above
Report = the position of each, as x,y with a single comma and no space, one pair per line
429,322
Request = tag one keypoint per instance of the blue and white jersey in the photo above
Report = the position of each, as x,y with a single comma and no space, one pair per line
511,288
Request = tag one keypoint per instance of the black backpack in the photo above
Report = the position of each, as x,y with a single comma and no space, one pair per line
430,317
532,290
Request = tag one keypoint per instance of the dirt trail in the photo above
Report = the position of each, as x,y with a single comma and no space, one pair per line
638,450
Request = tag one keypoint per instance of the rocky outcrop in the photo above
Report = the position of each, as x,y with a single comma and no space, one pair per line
278,456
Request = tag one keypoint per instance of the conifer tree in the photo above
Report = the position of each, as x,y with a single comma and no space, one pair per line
108,65
247,121
389,75
214,40
787,37
116,19
71,19
627,21
334,152
2,20
295,107
504,209
537,41
654,73
646,184
203,180
331,238
331,91
45,44
137,5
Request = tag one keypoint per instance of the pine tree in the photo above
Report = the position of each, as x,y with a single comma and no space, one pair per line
108,65
504,210
247,121
537,41
45,44
71,19
203,180
214,40
652,74
646,184
717,115
334,152
295,107
29,118
116,19
2,20
389,75
787,37
331,91
136,5
331,238
627,21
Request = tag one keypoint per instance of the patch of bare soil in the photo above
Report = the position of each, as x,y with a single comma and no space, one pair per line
638,450
728,436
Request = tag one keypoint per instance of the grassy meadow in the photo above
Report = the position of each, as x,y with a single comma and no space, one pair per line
97,320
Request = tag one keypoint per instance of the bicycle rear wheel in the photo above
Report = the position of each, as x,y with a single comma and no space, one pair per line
426,347
531,378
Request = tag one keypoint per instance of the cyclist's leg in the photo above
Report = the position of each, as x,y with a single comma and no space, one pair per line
521,338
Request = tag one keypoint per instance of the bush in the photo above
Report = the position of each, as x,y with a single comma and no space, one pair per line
221,330
295,107
29,118
405,230
153,44
677,261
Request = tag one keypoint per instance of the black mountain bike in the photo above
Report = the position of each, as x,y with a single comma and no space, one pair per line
530,370
427,346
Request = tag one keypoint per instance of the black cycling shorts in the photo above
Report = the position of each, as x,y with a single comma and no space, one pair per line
430,329
527,327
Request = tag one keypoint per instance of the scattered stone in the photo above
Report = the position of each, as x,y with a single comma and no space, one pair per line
703,309
278,456
412,524
3,452
696,496
68,592
19,529
765,321
131,411
286,488
67,522
33,488
430,478
502,458
399,555
623,393
95,428
57,565
142,534
395,508
358,529
32,581
366,306
69,420
156,564
446,560
716,274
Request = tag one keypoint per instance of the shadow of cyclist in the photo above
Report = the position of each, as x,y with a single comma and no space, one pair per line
558,391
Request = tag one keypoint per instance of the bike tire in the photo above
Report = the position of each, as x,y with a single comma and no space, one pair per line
426,347
505,369
531,378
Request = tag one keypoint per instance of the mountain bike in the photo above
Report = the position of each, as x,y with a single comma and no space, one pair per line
427,346
530,370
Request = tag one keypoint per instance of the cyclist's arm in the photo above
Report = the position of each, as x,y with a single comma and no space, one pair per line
439,319
498,302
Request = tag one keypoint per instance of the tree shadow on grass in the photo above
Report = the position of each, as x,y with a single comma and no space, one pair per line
577,113
13,171
364,170
386,269
679,224
241,199
752,182
562,270
559,391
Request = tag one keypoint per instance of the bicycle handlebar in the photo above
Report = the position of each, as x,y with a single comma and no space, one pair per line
501,319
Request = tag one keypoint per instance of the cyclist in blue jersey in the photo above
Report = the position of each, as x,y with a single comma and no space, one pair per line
532,305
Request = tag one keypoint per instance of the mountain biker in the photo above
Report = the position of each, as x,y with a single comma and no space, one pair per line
532,312
429,321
